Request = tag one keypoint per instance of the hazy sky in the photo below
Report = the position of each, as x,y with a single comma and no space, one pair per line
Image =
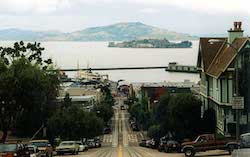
189,16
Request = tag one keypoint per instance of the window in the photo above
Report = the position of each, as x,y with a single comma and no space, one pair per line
224,91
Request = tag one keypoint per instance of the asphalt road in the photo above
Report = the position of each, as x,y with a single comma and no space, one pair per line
123,142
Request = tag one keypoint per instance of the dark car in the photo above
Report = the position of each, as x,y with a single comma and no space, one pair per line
135,127
98,142
154,143
107,130
123,107
14,150
167,144
34,151
143,143
91,143
172,146
94,143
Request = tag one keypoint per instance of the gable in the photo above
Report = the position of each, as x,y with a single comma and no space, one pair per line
225,57
207,51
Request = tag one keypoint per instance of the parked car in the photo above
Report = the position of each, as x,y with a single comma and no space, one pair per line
123,107
245,140
82,146
44,146
142,143
154,143
84,142
208,142
169,146
145,143
34,151
13,149
67,147
91,143
98,142
135,127
107,130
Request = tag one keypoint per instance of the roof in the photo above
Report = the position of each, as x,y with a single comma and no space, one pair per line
246,134
208,51
185,84
225,56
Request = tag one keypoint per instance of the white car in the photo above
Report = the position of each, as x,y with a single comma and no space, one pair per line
82,147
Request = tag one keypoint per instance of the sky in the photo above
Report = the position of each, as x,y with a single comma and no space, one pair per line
196,17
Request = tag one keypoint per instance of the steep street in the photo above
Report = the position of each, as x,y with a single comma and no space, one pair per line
123,142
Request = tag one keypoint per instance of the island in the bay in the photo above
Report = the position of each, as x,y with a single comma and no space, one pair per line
151,43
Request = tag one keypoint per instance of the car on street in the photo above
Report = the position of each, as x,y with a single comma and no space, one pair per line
123,107
67,147
169,146
14,149
154,143
94,143
98,142
245,140
82,146
142,143
107,130
91,143
208,142
44,146
34,151
145,143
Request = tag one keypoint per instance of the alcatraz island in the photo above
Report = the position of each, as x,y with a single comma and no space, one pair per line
151,43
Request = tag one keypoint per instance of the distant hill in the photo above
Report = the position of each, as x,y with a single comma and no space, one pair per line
115,32
19,34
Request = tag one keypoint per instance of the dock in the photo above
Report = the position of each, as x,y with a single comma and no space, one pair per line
172,67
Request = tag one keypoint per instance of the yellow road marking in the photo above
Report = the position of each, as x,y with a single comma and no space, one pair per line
120,151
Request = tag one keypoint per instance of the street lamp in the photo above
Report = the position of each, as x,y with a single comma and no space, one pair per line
236,101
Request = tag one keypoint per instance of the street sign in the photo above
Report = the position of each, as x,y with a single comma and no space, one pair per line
238,102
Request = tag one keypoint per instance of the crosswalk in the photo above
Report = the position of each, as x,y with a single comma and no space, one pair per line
107,138
132,138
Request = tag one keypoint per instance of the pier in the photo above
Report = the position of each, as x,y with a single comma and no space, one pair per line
172,67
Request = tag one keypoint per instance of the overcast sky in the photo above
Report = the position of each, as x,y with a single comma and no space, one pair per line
195,17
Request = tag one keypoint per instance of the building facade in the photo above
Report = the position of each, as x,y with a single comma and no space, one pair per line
224,65
153,91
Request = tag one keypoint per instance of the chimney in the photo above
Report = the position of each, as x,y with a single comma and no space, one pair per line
236,32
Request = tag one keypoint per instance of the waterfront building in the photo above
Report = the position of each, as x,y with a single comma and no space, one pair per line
224,65
153,91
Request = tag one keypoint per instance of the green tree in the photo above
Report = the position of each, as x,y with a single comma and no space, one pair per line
67,101
28,86
154,131
144,117
162,113
73,123
107,96
104,111
179,114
